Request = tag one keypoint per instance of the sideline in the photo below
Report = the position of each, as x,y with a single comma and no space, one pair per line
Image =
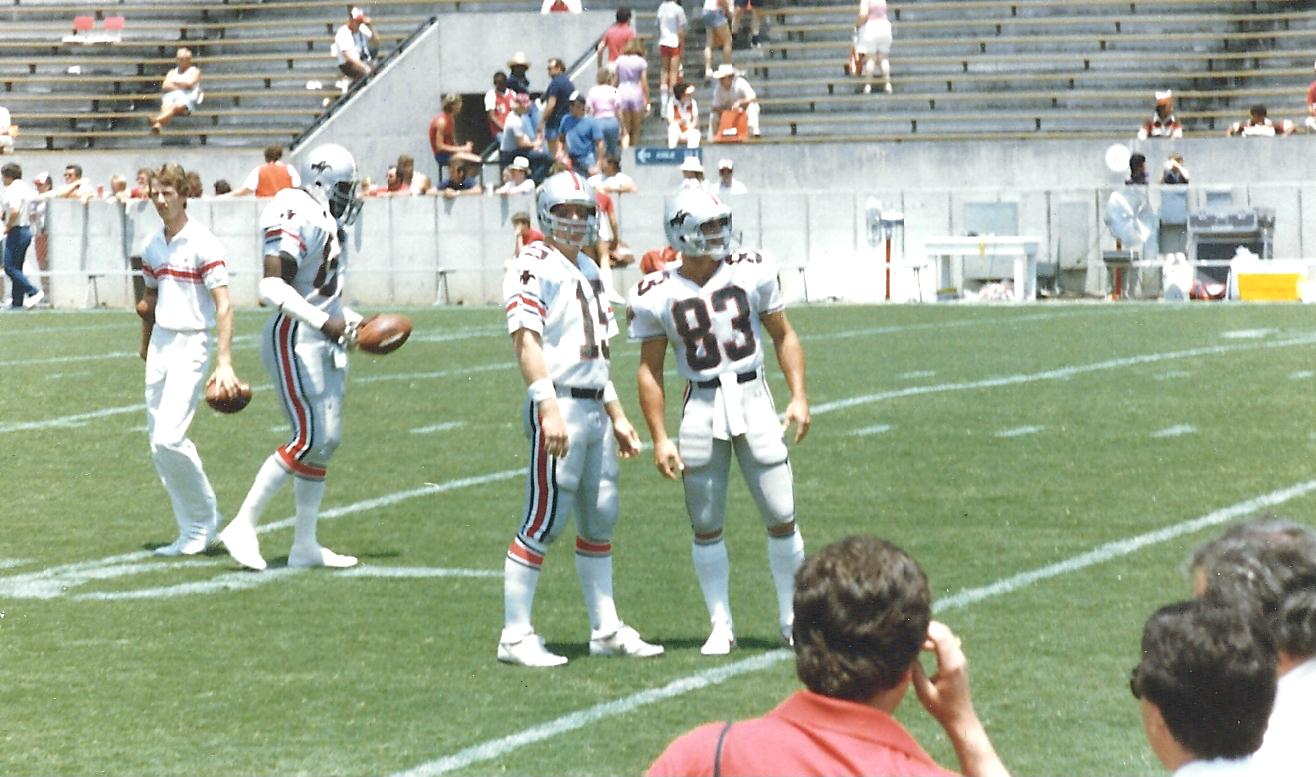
496,747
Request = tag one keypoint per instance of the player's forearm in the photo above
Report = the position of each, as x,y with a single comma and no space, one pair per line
224,333
276,293
790,355
653,404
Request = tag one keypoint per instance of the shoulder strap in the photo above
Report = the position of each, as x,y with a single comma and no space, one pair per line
717,755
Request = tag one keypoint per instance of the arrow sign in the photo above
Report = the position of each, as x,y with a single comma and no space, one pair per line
665,156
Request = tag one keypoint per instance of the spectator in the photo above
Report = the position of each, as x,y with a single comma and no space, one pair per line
7,131
615,38
195,189
671,47
37,220
606,251
1162,124
560,6
222,187
443,132
557,101
1311,105
733,93
523,232
459,183
727,183
75,186
604,105
351,47
268,179
1175,173
738,21
656,259
16,215
518,179
1267,566
518,80
142,190
717,25
181,90
611,179
118,189
633,91
1258,125
692,173
582,138
498,104
519,140
862,613
683,117
1137,171
872,42
1206,683
411,181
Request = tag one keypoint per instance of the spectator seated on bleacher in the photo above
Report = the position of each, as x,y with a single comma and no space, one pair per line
735,106
1162,124
611,179
518,179
352,47
181,90
7,131
683,117
1258,125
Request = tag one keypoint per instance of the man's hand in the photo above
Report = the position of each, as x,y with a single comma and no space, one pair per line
335,327
797,412
668,459
553,428
945,694
226,379
628,440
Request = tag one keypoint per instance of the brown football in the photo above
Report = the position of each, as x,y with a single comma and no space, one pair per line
384,333
232,404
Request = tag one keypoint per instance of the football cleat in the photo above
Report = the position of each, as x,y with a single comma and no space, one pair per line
241,543
316,556
719,643
529,651
625,641
198,537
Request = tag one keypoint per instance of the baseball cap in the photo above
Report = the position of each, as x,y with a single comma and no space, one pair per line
42,177
520,163
725,164
691,164
1164,96
356,12
576,97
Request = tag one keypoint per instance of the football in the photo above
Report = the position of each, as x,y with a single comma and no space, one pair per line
232,404
384,333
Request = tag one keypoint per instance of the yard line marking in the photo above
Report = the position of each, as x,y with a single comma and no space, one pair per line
439,427
10,563
1019,431
1174,431
1061,373
1172,374
1301,375
246,580
418,572
1247,334
467,334
915,374
867,430
63,375
496,747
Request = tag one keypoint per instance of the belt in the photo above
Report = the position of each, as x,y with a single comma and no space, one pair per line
743,377
580,393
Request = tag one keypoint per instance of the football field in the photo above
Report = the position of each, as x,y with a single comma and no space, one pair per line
1050,466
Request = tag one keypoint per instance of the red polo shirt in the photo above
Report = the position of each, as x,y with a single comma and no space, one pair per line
808,734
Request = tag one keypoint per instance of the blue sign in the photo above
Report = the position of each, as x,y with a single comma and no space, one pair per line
665,156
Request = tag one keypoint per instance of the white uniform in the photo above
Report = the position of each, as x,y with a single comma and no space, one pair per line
183,271
309,370
562,300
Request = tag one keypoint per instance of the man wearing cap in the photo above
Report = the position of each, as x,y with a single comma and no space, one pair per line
519,140
557,102
352,45
443,132
733,93
1162,124
517,179
727,183
582,137
692,174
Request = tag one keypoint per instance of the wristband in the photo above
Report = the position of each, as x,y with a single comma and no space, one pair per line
541,390
610,393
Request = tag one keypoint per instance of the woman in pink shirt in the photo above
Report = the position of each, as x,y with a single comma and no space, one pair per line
603,104
633,91
872,42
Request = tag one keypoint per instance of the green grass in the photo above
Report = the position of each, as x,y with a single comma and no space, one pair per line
321,673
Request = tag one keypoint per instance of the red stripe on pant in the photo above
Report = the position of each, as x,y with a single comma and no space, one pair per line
292,451
544,484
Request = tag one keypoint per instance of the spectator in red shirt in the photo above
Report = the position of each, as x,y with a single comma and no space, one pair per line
1311,105
616,37
443,132
863,610
524,233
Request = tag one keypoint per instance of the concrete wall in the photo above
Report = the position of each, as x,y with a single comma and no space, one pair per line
397,246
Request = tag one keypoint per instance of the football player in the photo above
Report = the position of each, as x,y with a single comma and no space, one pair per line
560,325
186,297
713,309
304,347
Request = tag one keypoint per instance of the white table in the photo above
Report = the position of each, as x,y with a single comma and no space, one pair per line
1021,248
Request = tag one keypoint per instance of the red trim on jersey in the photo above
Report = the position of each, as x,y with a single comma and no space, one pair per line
276,231
205,269
187,276
526,301
519,552
593,549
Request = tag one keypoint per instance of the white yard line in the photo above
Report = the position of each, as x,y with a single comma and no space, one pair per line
1019,431
495,748
1174,431
242,581
10,563
1301,375
869,430
443,426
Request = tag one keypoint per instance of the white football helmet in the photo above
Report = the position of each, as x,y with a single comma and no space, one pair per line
331,175
563,189
698,223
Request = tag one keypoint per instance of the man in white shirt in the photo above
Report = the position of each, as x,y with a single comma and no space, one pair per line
352,46
518,179
611,179
186,297
671,46
6,131
181,90
733,93
17,209
726,180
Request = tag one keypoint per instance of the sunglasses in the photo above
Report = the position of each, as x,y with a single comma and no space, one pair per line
1133,683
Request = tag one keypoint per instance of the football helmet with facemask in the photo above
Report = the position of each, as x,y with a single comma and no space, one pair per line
331,176
698,224
567,188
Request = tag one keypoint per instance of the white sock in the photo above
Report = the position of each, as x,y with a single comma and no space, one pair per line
271,477
785,554
310,493
713,569
519,583
595,573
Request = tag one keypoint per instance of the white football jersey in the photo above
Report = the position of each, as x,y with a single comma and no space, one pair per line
562,300
714,328
183,271
297,224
